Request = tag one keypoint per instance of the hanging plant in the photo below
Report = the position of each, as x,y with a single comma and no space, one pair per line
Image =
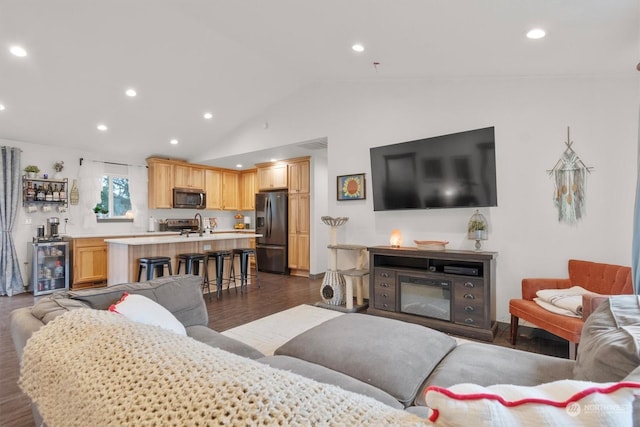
58,166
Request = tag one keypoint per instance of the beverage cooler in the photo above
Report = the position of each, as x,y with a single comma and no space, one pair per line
49,267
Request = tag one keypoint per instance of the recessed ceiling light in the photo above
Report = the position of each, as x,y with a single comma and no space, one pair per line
18,51
131,92
536,33
273,160
357,47
207,116
238,165
102,127
174,141
2,107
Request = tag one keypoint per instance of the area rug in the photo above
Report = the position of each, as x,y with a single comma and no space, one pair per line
269,333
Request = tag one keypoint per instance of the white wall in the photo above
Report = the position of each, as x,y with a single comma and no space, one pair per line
530,116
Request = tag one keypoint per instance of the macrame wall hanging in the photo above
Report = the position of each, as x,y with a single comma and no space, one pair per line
570,179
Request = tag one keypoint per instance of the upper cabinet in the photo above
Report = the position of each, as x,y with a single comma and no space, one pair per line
160,184
230,188
213,187
272,177
188,176
248,188
299,176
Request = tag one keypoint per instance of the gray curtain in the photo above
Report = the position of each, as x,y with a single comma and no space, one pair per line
10,275
635,254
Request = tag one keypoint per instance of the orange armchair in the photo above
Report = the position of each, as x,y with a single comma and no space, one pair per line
605,279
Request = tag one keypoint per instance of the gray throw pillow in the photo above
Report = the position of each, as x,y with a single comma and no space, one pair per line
610,342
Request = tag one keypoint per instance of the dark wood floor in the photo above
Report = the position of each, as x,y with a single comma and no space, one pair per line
277,293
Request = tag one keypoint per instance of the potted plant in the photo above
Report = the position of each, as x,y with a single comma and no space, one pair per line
31,171
58,166
100,210
477,227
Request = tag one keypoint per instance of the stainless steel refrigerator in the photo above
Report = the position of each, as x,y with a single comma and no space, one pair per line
272,222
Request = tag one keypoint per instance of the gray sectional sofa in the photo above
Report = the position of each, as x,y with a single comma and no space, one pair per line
387,360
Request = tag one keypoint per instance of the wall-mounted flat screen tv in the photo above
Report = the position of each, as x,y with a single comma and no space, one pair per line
448,171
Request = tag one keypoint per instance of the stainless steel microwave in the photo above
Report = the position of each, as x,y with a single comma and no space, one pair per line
189,198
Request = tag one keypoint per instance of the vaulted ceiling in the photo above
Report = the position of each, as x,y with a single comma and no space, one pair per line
236,58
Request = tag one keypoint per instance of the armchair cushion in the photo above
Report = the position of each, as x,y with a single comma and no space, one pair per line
605,279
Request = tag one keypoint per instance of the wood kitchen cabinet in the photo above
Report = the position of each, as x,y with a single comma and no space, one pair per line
213,187
272,177
188,176
248,189
230,187
299,234
89,258
299,216
160,184
298,175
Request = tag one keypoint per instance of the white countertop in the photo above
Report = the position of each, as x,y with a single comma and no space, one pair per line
150,233
154,240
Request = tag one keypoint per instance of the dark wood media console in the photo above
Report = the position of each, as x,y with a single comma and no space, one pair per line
452,291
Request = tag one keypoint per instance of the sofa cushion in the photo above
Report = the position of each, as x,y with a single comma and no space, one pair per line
143,310
487,364
559,403
217,340
391,355
329,376
610,344
181,295
51,306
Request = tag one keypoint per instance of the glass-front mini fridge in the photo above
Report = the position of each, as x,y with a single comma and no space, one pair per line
49,267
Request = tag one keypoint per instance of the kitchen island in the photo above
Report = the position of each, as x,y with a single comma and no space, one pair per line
123,254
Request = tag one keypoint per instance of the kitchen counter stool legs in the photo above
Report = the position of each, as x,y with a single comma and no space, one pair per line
244,254
192,266
218,257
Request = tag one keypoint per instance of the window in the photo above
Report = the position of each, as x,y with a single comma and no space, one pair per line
115,196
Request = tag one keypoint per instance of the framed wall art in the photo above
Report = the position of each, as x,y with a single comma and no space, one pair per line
351,187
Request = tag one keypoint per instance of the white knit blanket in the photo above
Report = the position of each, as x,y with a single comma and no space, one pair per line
95,368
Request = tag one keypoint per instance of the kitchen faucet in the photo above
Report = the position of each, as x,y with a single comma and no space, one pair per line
200,224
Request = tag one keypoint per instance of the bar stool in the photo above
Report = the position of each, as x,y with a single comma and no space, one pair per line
192,263
244,254
219,257
154,263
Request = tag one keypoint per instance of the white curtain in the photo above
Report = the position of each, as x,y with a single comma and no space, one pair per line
89,187
10,194
138,192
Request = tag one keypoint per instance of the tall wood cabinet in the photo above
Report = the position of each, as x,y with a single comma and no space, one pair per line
299,217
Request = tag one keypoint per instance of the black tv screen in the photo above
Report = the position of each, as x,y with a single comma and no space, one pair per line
448,171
